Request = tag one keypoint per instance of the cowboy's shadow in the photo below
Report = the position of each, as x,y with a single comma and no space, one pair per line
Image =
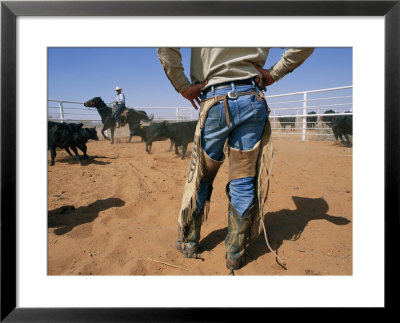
282,225
65,218
213,239
290,224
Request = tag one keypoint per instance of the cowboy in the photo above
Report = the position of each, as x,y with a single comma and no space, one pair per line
120,105
228,84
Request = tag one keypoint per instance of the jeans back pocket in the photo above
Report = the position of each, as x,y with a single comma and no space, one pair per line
259,109
213,120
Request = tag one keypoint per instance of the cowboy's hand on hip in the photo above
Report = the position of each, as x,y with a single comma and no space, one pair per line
192,93
267,78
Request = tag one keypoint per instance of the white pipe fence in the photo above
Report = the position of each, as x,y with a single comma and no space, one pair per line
296,106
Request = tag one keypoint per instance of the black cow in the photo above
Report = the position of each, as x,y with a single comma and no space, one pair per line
286,121
342,125
69,135
81,136
59,135
311,121
153,132
181,133
328,119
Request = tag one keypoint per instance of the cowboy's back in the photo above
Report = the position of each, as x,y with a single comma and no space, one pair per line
228,84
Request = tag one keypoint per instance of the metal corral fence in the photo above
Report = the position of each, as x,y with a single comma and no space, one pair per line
293,115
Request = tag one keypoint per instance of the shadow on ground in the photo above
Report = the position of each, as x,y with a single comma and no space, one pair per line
67,217
281,225
91,160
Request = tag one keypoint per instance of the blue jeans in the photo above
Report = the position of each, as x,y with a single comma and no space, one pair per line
247,119
118,110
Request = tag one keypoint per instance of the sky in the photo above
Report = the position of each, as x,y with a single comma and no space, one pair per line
79,74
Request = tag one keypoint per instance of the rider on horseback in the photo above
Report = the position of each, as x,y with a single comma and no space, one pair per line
119,105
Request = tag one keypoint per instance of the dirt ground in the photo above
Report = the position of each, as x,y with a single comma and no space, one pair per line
117,213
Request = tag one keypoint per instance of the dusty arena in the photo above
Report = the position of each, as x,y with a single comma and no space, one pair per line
116,214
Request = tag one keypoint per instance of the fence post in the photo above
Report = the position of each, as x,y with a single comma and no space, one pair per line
305,116
273,119
61,111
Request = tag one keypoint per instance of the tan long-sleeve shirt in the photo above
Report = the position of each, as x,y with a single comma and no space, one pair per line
220,65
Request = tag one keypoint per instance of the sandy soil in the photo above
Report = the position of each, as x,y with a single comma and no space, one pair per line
116,214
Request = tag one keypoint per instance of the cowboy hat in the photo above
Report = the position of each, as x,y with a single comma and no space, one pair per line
117,88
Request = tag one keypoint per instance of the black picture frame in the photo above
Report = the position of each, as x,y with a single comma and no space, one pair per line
10,10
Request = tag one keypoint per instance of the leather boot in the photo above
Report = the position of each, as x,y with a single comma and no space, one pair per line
237,239
188,244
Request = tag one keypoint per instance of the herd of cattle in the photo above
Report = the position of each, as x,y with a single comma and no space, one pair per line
74,135
341,125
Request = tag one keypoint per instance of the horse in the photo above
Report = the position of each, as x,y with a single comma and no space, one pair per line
133,117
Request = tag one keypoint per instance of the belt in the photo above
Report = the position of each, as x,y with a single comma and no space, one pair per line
226,96
228,85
